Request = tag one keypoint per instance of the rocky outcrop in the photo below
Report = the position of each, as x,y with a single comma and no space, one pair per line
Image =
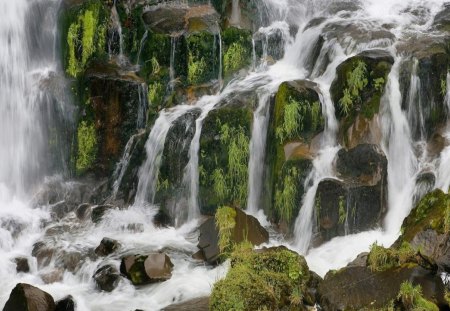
146,269
25,297
66,304
107,278
358,200
246,228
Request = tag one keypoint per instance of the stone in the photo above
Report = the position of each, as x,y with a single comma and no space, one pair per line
147,269
166,19
107,247
43,253
247,228
55,275
107,278
66,304
22,265
357,288
25,297
99,211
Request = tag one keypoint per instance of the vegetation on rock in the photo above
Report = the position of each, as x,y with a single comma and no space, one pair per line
87,146
381,259
411,298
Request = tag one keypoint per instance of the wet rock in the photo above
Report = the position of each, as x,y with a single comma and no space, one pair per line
99,211
202,18
107,278
53,276
107,247
425,183
146,269
43,253
22,265
198,304
247,228
166,19
435,247
83,211
69,260
357,288
13,226
66,304
442,19
25,297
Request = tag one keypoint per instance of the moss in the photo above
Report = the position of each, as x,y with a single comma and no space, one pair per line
412,298
202,57
224,156
342,210
196,70
286,199
382,259
237,52
432,212
87,146
270,279
225,222
357,80
133,28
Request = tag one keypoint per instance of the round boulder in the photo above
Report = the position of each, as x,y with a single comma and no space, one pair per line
25,297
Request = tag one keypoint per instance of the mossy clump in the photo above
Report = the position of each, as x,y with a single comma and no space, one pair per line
84,35
432,212
267,279
411,298
225,222
237,49
224,156
359,85
202,57
382,259
87,146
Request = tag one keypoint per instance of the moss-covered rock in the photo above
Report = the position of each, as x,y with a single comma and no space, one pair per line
268,279
357,90
146,269
224,155
84,31
296,117
202,57
237,51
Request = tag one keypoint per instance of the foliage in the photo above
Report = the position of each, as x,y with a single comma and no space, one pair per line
357,80
342,210
155,94
381,259
412,298
378,84
87,146
225,221
268,279
235,58
196,70
286,199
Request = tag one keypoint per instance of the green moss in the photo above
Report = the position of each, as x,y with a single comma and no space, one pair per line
357,80
196,70
342,210
271,279
381,259
286,197
87,146
225,222
412,298
203,58
235,58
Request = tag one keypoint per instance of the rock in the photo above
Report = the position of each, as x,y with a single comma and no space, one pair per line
55,275
83,211
357,288
442,19
197,304
360,261
107,247
356,106
146,269
202,18
99,211
43,253
66,304
247,228
434,247
22,265
25,297
107,278
70,260
166,19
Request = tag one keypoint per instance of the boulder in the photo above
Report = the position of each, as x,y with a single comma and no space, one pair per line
43,253
107,278
197,304
66,304
166,19
247,228
107,247
22,265
25,297
146,269
357,287
53,276
99,211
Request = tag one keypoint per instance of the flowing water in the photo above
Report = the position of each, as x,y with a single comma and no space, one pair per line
23,140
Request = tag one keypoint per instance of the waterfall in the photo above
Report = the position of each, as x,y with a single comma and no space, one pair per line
415,109
117,27
257,152
173,48
141,46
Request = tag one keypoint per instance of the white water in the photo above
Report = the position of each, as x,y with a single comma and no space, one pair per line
117,26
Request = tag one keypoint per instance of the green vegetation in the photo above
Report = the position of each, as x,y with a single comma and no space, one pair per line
269,279
225,221
155,94
412,298
87,146
444,86
235,58
202,58
342,210
237,50
357,80
378,84
196,70
286,197
381,259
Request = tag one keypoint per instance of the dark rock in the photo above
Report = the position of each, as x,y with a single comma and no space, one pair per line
43,253
247,228
107,247
360,261
357,288
25,297
166,19
146,269
66,304
442,19
83,211
22,265
70,260
198,304
107,278
99,211
434,247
